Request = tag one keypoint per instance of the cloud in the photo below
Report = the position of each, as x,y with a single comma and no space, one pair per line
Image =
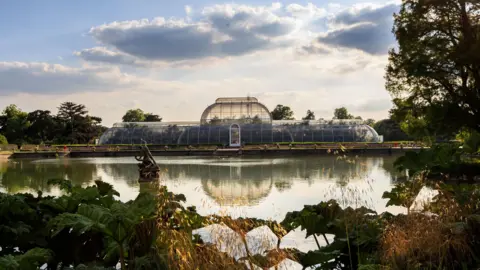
222,30
104,55
310,10
371,38
18,77
373,105
366,28
382,14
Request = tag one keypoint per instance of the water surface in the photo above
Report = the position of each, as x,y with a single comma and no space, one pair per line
255,187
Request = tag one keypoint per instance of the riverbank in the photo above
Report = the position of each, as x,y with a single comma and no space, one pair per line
213,152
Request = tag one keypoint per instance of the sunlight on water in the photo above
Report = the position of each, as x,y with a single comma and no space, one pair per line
252,186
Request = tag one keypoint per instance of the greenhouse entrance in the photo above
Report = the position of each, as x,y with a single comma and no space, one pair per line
235,136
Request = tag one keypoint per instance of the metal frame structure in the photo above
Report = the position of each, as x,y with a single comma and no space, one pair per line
255,125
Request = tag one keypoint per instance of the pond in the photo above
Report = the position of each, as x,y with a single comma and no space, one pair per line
265,188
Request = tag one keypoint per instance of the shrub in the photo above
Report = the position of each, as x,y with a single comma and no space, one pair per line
3,140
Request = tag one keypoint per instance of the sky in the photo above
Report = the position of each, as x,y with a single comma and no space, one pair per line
174,58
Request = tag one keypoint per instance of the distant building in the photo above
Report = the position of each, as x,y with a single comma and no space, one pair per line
236,121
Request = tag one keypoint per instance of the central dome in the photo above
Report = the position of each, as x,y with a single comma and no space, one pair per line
239,109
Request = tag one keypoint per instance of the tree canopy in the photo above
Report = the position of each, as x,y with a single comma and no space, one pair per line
434,75
282,113
72,124
370,122
390,130
342,113
138,115
3,140
310,115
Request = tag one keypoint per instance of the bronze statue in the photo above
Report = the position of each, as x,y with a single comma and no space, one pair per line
148,169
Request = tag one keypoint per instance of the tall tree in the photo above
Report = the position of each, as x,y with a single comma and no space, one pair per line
43,127
310,116
342,113
150,117
14,124
282,113
79,127
134,115
434,75
69,110
370,122
390,130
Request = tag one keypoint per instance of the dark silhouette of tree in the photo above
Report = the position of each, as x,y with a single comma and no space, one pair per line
149,117
69,110
71,125
310,116
13,124
43,126
342,113
390,130
138,115
370,122
434,75
282,113
134,115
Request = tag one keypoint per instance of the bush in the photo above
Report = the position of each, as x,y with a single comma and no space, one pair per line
3,140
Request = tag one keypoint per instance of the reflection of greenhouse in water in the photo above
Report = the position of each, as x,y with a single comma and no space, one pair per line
250,181
233,121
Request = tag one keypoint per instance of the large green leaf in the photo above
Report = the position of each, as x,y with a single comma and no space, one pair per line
105,188
315,219
30,260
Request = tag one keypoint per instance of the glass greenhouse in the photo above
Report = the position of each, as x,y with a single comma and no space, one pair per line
237,121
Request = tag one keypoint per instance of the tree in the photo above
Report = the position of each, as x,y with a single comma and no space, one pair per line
3,140
79,127
134,115
310,116
149,117
370,122
69,111
43,126
390,130
434,75
138,115
282,113
342,113
14,124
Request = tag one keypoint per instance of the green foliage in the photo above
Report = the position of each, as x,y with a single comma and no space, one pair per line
470,140
342,113
282,113
30,260
371,122
13,124
354,230
138,115
72,124
403,194
440,162
390,130
3,140
434,73
310,115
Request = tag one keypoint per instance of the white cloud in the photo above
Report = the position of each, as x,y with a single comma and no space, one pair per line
223,30
16,77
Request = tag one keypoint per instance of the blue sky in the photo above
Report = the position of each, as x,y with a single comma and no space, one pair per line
165,56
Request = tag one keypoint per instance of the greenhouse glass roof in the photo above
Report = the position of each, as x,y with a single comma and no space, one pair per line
252,121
